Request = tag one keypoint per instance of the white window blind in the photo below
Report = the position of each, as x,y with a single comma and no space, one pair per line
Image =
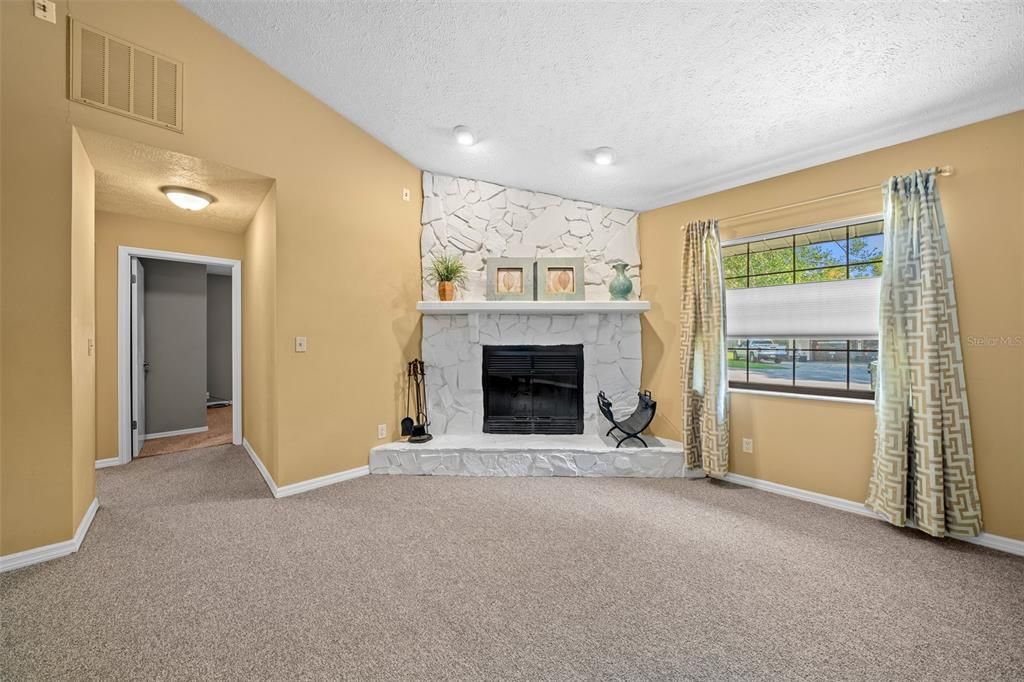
842,309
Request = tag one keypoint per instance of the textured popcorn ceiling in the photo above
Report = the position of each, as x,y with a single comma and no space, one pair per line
694,96
129,176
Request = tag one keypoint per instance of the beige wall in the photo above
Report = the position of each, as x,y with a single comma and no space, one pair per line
35,454
83,328
347,247
2,132
826,447
346,264
259,329
113,230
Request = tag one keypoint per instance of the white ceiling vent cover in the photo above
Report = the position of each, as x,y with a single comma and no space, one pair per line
118,76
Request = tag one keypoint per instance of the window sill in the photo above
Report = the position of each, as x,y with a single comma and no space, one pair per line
802,396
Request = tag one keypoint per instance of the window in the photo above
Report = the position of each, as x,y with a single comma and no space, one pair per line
826,255
814,366
802,309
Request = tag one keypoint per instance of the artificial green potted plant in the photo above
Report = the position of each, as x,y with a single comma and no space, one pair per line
447,272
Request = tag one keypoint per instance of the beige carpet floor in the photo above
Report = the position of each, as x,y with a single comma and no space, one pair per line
218,421
192,571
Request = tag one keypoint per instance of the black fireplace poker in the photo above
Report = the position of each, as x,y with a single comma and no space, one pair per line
416,427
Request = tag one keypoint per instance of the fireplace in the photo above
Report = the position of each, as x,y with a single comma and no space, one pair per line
533,389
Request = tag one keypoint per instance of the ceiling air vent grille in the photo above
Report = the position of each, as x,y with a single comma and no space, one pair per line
118,76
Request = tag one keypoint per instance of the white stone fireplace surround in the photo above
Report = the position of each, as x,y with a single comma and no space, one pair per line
453,341
478,220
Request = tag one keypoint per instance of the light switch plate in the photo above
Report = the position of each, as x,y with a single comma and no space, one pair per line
300,344
406,194
45,10
748,445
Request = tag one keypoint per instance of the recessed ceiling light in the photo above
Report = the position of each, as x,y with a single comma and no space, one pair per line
464,136
188,199
604,156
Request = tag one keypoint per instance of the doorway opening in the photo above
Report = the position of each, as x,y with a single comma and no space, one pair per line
205,412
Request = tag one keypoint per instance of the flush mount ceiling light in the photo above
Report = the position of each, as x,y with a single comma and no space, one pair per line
604,156
188,199
464,136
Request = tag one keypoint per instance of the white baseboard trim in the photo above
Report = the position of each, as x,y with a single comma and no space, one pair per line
997,542
179,432
58,549
801,494
301,486
321,481
267,478
108,462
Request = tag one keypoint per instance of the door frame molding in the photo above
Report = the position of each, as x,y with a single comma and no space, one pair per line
124,407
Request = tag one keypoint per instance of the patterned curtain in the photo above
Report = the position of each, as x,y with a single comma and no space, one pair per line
702,345
924,461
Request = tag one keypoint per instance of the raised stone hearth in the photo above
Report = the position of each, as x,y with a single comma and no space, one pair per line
494,455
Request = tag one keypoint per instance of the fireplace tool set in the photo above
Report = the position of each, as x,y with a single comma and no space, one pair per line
416,428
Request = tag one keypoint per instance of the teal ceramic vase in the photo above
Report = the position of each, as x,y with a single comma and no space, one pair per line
621,285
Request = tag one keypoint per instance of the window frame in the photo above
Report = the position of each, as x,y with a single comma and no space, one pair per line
792,350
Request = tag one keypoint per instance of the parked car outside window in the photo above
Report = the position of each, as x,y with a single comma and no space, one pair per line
766,350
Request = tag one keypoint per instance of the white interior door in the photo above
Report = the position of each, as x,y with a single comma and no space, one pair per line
138,364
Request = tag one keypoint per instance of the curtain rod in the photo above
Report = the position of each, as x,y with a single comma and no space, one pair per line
943,170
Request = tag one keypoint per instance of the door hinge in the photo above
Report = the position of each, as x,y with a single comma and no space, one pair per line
135,425
134,279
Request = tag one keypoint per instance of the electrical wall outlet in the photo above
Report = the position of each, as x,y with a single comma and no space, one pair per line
748,445
382,430
300,344
406,194
45,10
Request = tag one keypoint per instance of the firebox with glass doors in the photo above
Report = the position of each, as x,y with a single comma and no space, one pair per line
533,389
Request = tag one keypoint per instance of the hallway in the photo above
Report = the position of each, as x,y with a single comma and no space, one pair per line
218,419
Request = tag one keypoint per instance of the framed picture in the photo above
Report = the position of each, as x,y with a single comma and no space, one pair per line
560,279
510,279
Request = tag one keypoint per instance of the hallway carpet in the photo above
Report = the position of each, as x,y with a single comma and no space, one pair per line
192,571
218,419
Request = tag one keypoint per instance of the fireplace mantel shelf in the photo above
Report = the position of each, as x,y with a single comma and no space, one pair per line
531,307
